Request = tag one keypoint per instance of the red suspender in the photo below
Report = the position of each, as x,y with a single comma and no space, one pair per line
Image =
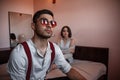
28,53
53,52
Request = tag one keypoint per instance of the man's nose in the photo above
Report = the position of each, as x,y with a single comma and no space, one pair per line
49,25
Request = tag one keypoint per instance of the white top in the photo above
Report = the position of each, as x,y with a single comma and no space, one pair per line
18,62
65,46
66,49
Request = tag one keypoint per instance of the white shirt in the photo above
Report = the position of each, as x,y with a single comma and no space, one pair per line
18,62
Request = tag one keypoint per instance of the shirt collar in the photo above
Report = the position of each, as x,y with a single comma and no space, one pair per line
48,50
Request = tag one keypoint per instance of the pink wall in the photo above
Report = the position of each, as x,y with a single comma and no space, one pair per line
25,6
93,23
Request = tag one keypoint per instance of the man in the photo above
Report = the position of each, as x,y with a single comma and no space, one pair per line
43,25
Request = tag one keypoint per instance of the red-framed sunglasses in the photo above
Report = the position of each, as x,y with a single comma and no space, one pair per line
45,22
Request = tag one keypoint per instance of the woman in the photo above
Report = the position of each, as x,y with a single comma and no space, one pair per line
67,43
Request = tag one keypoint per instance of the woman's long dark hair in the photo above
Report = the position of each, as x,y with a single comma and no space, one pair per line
69,31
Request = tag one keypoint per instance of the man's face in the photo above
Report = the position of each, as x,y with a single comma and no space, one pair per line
44,26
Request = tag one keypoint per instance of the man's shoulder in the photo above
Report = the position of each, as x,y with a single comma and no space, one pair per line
18,51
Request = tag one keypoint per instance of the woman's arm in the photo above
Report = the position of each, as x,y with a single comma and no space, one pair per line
72,46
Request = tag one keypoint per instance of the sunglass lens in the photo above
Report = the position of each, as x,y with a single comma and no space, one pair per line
44,22
53,23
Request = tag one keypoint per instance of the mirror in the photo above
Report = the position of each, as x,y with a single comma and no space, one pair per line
19,27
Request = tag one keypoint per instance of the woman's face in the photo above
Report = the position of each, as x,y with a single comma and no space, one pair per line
65,33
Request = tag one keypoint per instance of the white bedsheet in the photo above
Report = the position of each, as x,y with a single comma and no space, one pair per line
90,70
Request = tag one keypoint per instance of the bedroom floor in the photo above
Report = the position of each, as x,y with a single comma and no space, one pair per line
3,72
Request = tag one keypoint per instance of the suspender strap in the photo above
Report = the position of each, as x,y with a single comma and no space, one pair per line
53,52
28,53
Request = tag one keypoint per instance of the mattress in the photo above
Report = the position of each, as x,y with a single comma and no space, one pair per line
90,70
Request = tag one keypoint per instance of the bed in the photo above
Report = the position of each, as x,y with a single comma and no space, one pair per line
91,62
94,57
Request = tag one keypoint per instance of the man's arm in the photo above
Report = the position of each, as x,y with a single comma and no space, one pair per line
75,75
16,64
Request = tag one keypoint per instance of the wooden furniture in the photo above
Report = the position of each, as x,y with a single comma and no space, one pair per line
4,55
96,54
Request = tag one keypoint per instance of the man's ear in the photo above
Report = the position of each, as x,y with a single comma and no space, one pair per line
33,26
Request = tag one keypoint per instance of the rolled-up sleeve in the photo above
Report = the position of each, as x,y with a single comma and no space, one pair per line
60,60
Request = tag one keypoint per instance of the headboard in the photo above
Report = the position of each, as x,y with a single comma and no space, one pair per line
96,54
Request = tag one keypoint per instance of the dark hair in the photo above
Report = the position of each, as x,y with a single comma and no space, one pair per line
69,31
40,12
12,36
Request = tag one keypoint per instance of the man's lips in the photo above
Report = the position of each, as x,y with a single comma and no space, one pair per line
48,31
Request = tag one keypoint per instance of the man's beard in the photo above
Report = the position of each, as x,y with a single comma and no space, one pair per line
43,36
